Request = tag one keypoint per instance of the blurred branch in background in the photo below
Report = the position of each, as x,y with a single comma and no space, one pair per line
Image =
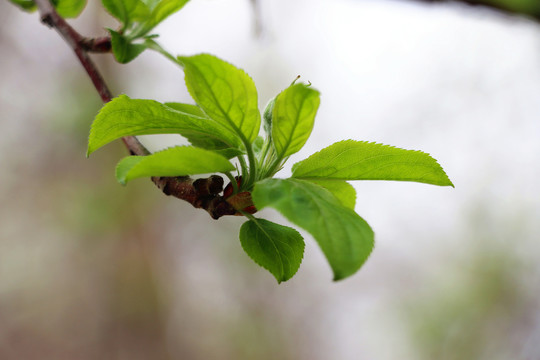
257,18
529,8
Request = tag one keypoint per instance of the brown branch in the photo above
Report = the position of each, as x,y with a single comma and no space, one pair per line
96,45
201,193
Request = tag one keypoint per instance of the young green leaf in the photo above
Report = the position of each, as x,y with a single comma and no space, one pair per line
344,237
225,93
293,116
277,248
229,153
125,165
186,108
162,10
342,190
65,8
26,5
151,3
152,45
124,51
126,117
69,8
258,144
360,160
267,116
127,11
159,11
176,161
203,141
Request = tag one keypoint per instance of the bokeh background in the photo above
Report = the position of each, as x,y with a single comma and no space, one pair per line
93,270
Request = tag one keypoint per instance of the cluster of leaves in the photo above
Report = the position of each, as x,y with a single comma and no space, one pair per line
65,8
224,125
138,18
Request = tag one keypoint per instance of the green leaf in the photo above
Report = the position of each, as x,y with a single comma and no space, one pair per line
293,116
127,117
279,249
159,11
229,153
127,11
124,167
344,237
186,108
164,9
26,5
151,3
65,8
267,116
204,141
257,145
342,190
69,8
225,93
176,161
360,160
152,45
124,51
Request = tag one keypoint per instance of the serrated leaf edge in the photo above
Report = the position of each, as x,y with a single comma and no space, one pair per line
370,143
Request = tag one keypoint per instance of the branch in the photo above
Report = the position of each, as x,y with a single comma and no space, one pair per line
96,45
201,193
506,7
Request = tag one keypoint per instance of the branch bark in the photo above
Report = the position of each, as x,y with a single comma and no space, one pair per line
201,193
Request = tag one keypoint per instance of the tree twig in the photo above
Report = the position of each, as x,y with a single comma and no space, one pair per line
201,193
96,45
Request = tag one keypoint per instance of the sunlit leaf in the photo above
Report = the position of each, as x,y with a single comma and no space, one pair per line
164,9
26,5
159,11
258,144
225,93
344,237
176,161
203,140
186,108
69,8
342,190
360,160
293,115
127,11
126,117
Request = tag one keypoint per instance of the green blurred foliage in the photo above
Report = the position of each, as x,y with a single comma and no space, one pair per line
531,7
482,307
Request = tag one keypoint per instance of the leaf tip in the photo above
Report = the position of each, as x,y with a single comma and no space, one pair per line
121,178
89,151
340,275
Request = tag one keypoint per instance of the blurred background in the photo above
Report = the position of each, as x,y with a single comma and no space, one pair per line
93,270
